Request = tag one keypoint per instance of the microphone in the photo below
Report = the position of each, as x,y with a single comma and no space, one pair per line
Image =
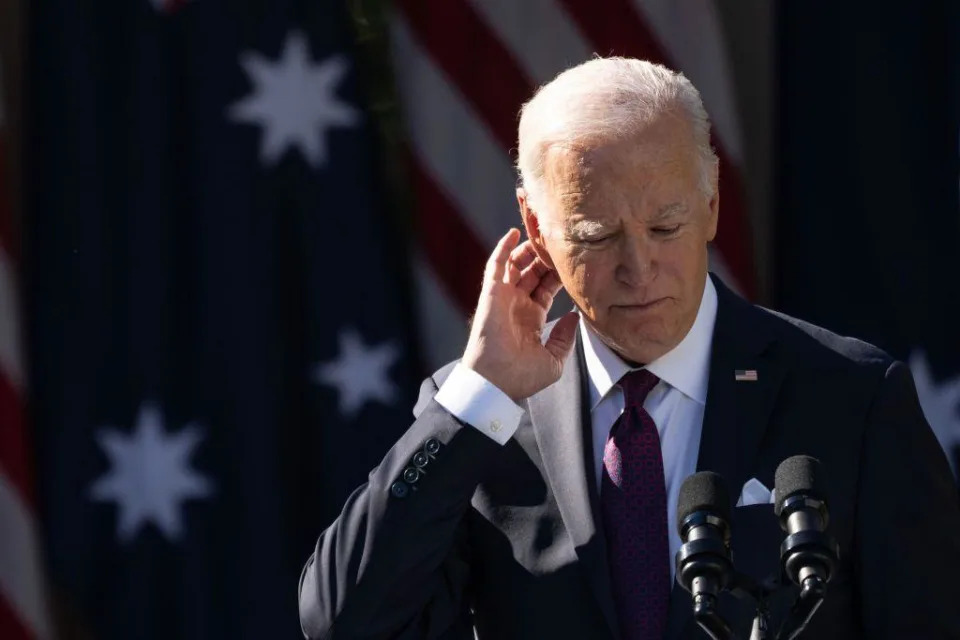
703,562
808,555
802,509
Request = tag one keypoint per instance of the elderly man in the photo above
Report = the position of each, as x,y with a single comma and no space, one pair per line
535,494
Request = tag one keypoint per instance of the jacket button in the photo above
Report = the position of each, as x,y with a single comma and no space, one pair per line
411,475
420,459
399,489
432,446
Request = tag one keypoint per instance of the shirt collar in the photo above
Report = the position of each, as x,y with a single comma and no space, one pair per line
686,367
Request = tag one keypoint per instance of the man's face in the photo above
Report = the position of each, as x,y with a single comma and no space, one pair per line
626,227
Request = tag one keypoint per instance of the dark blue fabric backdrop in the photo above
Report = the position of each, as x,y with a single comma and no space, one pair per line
868,219
219,343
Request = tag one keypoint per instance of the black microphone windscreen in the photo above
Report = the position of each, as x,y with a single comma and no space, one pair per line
703,491
800,474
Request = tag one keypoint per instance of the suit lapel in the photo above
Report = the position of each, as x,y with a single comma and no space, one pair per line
561,422
737,412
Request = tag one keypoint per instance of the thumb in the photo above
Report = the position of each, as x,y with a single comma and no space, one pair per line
561,339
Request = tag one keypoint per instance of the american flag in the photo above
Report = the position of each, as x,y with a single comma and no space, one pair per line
22,609
463,69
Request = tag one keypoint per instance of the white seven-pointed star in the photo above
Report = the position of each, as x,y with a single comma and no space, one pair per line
150,474
294,100
359,374
940,402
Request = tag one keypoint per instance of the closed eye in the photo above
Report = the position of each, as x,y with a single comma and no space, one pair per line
595,240
667,231
589,240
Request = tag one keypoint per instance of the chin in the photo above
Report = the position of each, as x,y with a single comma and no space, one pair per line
647,352
638,343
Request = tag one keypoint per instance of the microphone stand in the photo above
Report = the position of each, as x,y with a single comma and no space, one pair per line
809,558
745,587
709,585
812,591
761,623
706,614
742,587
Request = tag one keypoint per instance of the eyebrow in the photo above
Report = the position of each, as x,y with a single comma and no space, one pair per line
586,228
668,210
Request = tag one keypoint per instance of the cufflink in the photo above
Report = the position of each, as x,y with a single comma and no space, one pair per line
495,425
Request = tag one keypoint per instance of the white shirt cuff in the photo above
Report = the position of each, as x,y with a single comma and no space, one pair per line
473,399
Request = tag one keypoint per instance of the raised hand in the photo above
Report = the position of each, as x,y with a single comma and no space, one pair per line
505,344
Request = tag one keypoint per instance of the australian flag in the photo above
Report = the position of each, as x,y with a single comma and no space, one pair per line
870,219
219,344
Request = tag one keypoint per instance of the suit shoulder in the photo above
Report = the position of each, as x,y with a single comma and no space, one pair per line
820,346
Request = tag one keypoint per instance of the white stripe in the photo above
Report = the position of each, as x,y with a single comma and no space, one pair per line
443,328
540,34
691,33
10,363
453,144
21,577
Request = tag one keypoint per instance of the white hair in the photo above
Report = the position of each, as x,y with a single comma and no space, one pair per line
607,99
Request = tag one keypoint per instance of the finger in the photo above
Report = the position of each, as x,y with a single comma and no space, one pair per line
531,276
548,288
513,274
523,255
563,336
497,263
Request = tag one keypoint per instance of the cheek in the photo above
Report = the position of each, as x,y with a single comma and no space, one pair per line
582,273
683,259
592,273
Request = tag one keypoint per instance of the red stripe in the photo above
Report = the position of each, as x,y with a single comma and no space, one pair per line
13,441
462,44
619,30
11,627
453,251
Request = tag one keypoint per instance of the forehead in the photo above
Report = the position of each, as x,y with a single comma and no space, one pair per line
660,154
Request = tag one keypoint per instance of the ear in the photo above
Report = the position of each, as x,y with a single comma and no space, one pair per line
531,222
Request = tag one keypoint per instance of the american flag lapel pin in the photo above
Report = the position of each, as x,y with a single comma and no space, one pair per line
745,375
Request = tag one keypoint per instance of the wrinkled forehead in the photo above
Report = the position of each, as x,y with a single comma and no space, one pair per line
574,174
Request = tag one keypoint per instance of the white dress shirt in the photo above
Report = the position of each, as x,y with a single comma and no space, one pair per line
676,403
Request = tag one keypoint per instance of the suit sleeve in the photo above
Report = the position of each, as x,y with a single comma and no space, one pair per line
395,564
908,521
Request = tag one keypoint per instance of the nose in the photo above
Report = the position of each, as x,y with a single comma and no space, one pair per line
637,264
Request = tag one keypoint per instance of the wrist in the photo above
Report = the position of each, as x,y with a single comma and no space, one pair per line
491,373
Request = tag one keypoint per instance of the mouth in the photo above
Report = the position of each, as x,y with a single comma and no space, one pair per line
639,307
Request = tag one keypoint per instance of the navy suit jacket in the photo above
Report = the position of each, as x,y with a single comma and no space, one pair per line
507,539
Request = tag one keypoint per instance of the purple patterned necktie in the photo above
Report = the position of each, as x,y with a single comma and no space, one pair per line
633,501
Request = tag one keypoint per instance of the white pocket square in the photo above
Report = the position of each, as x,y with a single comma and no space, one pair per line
755,493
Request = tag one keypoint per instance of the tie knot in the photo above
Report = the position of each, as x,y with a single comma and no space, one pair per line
636,385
